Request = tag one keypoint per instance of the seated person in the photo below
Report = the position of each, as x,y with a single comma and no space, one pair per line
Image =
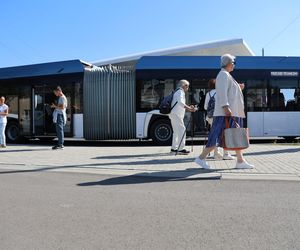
277,100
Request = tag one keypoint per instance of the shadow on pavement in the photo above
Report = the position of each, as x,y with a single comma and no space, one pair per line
157,162
271,152
23,150
166,176
130,156
280,151
143,177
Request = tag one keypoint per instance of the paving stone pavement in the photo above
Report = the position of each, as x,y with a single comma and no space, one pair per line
272,161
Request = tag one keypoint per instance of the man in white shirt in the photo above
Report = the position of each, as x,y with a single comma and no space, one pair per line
177,116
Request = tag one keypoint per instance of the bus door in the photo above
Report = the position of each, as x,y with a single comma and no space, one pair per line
43,97
42,122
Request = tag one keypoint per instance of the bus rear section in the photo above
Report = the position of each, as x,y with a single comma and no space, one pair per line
272,94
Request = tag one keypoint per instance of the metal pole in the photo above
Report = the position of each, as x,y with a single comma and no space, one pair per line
193,130
33,103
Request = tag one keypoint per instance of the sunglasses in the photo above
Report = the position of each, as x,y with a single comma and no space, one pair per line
233,62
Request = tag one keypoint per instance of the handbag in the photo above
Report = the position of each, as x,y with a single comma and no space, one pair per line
236,138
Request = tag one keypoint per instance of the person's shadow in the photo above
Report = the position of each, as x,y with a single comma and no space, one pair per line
162,176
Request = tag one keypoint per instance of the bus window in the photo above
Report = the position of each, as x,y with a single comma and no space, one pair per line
292,101
198,90
277,100
256,95
256,99
152,92
283,95
297,99
12,103
25,108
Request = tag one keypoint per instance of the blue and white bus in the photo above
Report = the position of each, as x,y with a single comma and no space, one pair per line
121,102
272,93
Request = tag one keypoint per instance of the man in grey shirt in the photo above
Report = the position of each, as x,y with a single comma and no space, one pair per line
60,116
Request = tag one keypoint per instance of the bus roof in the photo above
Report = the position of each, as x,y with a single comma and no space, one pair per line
213,62
43,69
213,48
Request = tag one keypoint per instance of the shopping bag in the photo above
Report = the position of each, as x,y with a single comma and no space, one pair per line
235,138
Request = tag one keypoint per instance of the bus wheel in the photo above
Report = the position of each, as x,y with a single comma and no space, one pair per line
12,132
161,132
289,139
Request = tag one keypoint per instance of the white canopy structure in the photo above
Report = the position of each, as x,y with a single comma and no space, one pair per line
237,47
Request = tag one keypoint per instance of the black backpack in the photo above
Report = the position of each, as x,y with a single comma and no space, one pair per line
211,105
165,106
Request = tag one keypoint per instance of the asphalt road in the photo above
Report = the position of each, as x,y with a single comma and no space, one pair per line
46,210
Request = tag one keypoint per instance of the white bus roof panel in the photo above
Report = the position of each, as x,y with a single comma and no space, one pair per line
236,47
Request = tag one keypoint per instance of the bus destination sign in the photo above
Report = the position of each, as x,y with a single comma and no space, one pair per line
284,73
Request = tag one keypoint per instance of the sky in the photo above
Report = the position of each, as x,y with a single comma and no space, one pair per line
53,30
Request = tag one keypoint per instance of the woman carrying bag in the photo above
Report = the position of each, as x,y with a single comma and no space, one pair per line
209,106
229,103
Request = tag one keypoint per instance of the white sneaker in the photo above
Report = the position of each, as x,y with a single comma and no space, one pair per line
228,157
202,163
218,157
244,165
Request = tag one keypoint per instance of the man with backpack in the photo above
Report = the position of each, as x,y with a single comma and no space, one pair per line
177,115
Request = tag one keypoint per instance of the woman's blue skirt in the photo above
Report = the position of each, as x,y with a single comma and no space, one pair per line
218,125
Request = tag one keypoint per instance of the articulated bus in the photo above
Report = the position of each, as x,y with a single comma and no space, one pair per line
120,103
272,93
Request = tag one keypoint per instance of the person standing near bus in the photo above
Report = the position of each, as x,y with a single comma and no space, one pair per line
3,121
209,106
229,103
177,116
60,116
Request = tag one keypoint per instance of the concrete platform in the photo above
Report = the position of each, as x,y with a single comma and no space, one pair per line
272,162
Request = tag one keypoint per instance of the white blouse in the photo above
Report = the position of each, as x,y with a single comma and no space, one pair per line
229,93
3,118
